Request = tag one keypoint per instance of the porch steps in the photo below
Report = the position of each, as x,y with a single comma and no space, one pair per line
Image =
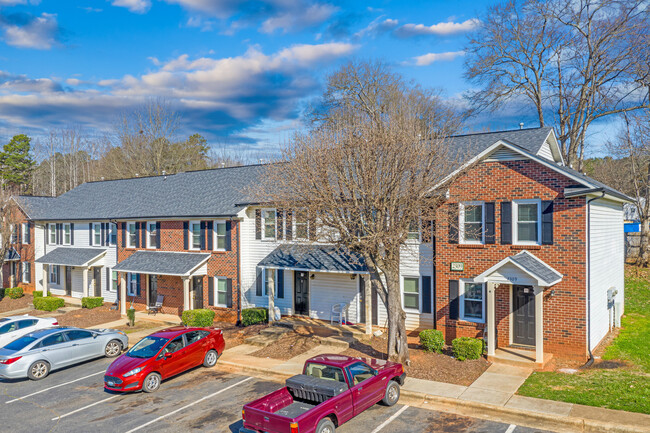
516,357
267,336
321,327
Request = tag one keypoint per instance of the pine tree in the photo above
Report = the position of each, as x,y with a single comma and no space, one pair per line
16,163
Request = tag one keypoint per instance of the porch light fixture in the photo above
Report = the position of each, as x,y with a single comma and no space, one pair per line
353,276
312,276
551,294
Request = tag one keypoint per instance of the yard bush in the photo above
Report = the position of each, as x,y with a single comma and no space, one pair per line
432,340
14,292
92,302
467,348
130,313
252,316
200,317
37,293
48,303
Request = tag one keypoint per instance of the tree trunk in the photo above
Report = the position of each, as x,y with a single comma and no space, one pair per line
643,259
397,342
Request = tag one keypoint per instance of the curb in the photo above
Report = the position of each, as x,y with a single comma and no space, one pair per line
473,409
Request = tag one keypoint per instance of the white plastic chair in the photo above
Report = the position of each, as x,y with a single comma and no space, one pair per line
338,314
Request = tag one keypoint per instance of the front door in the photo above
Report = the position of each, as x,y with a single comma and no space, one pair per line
197,284
68,280
524,313
153,290
301,293
97,277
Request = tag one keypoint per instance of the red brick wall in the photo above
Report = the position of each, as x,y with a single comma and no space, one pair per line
26,252
565,313
221,264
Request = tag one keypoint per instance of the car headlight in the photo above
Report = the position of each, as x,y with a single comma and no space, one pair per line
132,372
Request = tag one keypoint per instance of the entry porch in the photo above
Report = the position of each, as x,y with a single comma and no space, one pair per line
73,272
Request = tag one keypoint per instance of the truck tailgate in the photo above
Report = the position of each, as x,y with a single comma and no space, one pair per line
266,421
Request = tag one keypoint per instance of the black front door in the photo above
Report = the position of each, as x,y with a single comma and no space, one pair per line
197,283
301,293
153,290
97,277
524,313
68,280
362,299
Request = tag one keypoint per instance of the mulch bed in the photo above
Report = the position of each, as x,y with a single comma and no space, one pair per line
424,365
291,344
85,318
7,304
235,335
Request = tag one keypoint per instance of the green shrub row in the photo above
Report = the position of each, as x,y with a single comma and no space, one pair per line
252,316
37,293
92,302
200,317
467,348
14,292
432,340
48,303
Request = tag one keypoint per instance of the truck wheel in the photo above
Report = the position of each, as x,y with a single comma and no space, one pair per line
392,393
325,426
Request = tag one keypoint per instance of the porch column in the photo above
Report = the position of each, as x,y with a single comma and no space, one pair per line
122,293
367,288
491,319
186,293
270,291
46,279
146,288
539,324
84,281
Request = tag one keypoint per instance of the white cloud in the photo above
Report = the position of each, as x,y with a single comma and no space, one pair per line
18,2
377,27
440,29
429,58
298,18
37,32
136,6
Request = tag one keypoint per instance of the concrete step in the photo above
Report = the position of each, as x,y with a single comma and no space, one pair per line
263,340
338,341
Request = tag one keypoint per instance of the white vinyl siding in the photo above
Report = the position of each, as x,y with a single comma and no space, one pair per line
504,154
545,151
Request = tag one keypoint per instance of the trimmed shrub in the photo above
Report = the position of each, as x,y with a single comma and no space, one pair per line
14,292
38,293
252,316
92,302
432,340
467,348
130,313
48,303
200,317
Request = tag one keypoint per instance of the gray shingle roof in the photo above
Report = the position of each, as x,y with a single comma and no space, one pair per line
35,207
70,256
536,267
530,139
325,258
161,262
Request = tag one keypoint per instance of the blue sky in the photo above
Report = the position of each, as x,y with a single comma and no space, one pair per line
240,72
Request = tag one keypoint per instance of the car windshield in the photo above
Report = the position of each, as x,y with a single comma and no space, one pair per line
20,343
147,347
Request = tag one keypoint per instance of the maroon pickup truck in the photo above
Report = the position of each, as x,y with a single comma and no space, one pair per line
331,390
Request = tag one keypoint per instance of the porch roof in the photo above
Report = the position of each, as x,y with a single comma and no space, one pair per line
11,255
164,263
70,256
319,258
525,262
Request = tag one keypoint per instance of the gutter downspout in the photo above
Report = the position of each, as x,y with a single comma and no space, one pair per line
591,355
239,285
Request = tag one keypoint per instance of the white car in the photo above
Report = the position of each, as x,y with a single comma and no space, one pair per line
15,327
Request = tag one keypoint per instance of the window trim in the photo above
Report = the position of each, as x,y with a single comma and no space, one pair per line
149,233
461,300
515,221
13,237
96,226
25,268
275,282
275,224
409,309
461,222
190,235
215,235
112,233
53,271
115,282
419,232
128,233
52,233
129,278
24,229
216,291
294,222
63,234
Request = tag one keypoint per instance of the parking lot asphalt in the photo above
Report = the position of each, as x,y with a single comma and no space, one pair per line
73,400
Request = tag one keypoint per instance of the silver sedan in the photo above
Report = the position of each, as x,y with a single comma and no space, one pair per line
36,354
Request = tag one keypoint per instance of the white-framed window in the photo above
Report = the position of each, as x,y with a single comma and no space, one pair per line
114,282
220,235
132,284
472,301
268,224
527,222
131,234
67,234
221,291
411,293
97,234
195,235
269,277
112,237
471,222
14,233
300,225
54,273
152,234
414,230
25,233
52,228
27,270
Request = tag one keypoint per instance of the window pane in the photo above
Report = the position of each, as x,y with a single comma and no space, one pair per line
196,236
221,229
474,291
474,309
527,212
269,224
221,236
527,231
473,232
411,285
411,300
473,214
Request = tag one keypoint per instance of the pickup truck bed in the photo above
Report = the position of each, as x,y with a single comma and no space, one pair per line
295,409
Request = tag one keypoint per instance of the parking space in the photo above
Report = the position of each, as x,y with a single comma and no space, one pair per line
74,400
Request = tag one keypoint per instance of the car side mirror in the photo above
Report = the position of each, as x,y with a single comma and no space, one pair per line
94,335
168,355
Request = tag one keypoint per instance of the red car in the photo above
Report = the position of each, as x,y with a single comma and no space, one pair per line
162,355
331,390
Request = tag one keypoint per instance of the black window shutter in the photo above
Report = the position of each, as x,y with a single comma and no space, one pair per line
228,235
211,291
229,293
258,283
203,234
279,223
109,285
258,224
137,234
47,234
547,222
123,235
158,234
19,272
426,294
58,274
30,226
453,223
489,223
289,225
18,230
210,235
29,273
506,222
280,289
186,227
143,234
453,300
59,239
91,237
71,233
102,234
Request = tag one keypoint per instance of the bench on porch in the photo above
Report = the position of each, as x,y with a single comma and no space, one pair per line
155,309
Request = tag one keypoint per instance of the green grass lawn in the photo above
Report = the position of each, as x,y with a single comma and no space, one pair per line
623,388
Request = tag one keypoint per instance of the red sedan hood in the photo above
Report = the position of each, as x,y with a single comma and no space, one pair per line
124,364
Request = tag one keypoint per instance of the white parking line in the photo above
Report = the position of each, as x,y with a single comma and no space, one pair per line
511,428
389,420
55,386
85,407
189,405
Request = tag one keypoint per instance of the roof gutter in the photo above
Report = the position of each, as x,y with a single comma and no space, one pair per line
578,192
